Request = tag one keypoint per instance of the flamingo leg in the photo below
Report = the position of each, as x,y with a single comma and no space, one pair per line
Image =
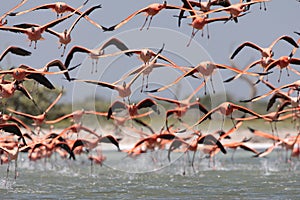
287,71
149,22
192,36
92,167
232,120
143,79
96,66
7,171
64,50
212,85
16,168
144,23
193,161
207,31
280,72
147,81
205,86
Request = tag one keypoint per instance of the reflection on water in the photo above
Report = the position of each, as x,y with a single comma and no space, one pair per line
244,177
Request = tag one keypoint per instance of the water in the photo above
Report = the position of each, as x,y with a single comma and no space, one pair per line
245,178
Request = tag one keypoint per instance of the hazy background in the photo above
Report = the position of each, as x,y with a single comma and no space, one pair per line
259,26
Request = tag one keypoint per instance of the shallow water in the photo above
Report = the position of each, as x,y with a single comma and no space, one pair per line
151,176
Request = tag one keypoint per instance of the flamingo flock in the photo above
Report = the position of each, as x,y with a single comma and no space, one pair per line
42,139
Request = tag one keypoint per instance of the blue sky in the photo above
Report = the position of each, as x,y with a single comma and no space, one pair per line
259,26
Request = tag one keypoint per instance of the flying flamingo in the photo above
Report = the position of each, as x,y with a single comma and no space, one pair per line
266,52
12,155
15,50
34,33
132,108
4,22
199,21
283,62
8,89
65,37
235,10
93,144
148,71
58,7
75,116
286,142
23,71
242,145
294,86
151,10
209,144
4,119
124,90
95,53
206,69
14,129
97,159
226,109
203,6
38,119
182,106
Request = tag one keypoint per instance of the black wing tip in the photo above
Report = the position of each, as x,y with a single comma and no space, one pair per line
229,79
129,54
251,129
112,28
13,14
151,91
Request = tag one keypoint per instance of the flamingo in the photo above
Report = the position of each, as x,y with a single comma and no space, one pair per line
182,106
295,86
75,116
206,69
14,129
124,90
151,10
93,144
58,7
4,22
12,155
199,22
23,71
266,52
147,72
38,119
235,10
209,144
34,33
226,109
65,37
283,62
8,89
4,118
203,6
242,145
97,159
96,53
287,142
